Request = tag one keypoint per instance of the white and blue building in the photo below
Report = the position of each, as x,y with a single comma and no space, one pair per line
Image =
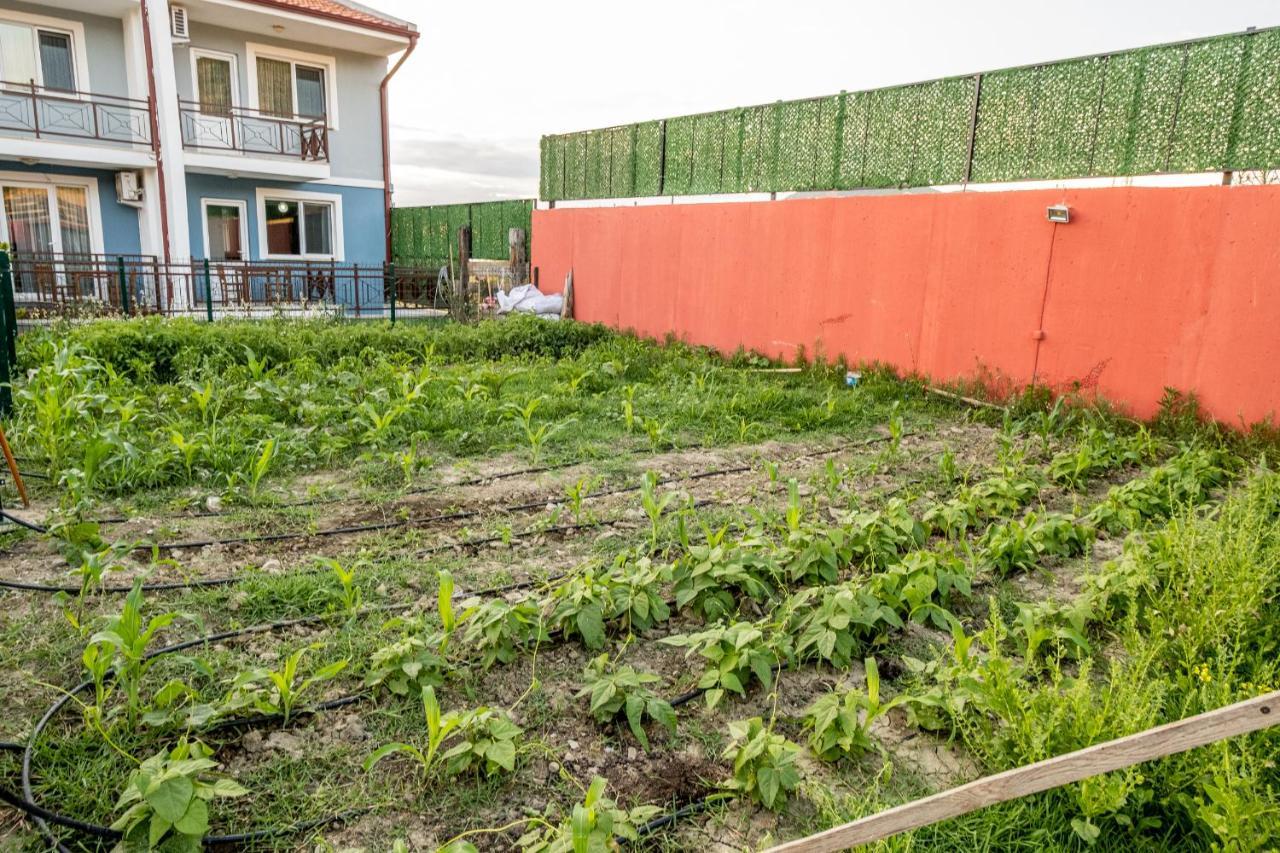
228,130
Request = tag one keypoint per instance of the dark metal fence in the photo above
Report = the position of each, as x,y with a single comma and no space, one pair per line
27,109
47,288
1200,106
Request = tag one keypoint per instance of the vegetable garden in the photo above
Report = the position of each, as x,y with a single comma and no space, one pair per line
543,587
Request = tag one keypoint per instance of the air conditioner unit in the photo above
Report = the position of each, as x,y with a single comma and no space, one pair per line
129,188
179,23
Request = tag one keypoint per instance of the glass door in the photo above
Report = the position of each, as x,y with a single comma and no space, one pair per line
215,91
225,230
30,220
45,225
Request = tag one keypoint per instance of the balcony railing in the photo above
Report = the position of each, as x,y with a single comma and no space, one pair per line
245,131
37,112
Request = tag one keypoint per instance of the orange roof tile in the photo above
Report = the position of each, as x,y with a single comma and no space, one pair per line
334,10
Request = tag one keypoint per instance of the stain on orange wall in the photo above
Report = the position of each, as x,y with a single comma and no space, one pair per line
1145,288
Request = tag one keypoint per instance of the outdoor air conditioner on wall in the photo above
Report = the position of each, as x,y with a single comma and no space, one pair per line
129,188
179,23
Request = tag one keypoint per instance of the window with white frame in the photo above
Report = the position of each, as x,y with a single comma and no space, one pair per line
43,53
53,217
293,84
300,225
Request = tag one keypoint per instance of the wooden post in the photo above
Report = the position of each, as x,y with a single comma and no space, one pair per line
1250,715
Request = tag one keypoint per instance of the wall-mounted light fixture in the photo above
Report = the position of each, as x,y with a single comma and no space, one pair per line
1059,213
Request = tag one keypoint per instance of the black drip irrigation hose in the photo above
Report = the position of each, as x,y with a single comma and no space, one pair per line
456,516
207,583
421,490
368,528
43,817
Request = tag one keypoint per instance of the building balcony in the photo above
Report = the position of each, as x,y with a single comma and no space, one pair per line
84,125
240,141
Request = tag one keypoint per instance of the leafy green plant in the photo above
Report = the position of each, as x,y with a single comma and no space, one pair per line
485,741
350,596
129,637
622,691
499,630
405,667
654,506
712,578
1020,545
592,825
832,623
279,691
536,437
735,653
764,763
839,723
165,803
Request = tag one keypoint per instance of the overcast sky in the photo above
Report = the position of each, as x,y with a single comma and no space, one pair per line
492,76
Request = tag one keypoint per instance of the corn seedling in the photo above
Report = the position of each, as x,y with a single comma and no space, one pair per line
279,691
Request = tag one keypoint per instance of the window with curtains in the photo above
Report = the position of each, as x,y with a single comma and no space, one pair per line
215,77
275,87
293,87
298,228
37,53
39,219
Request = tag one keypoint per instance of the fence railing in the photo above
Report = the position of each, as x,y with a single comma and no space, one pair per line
27,109
1206,105
47,288
246,131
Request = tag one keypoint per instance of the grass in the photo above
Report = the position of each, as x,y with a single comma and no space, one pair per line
1184,619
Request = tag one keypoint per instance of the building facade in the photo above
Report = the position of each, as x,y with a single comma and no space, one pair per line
232,130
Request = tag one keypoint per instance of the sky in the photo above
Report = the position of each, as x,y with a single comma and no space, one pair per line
490,77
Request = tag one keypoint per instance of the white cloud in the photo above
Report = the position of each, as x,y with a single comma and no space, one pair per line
492,76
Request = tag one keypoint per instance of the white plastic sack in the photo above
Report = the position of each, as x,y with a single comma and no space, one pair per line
527,299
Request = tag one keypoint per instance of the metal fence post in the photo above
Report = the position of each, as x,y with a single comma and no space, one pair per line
208,292
391,274
124,287
9,330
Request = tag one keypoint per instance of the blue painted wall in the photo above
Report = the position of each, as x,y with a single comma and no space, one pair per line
119,222
363,215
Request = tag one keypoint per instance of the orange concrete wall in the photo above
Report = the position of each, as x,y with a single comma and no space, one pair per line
1145,288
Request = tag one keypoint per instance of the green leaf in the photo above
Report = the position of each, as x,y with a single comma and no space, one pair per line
635,718
196,820
768,784
591,626
172,797
503,754
159,826
730,681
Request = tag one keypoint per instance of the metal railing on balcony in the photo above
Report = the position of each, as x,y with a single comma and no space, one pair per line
49,287
246,131
38,112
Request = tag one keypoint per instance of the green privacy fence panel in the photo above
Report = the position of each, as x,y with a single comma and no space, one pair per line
430,234
1206,105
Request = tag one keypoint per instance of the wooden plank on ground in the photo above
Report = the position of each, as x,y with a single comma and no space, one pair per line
1250,715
